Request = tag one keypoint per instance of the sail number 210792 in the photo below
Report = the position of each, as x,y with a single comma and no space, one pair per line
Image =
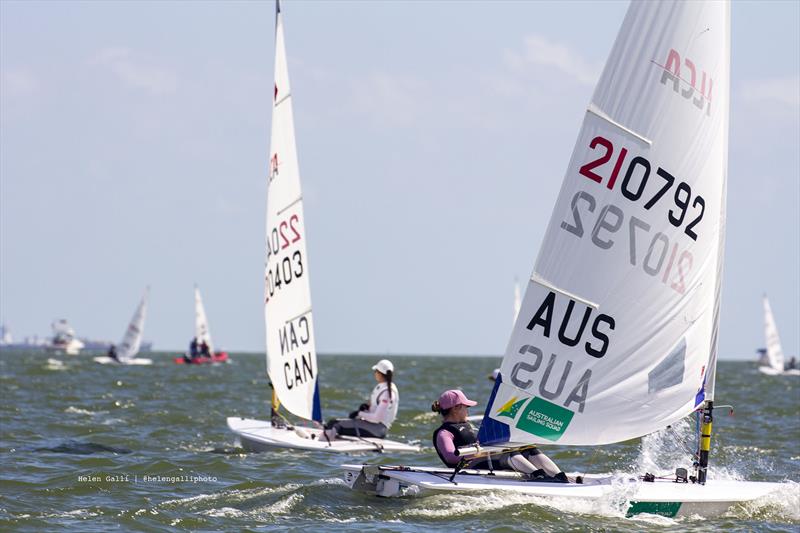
635,181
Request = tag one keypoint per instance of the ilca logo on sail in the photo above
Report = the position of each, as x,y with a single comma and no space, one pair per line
676,71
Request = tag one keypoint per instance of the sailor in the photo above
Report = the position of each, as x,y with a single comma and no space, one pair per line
792,364
204,350
112,353
456,431
371,419
193,348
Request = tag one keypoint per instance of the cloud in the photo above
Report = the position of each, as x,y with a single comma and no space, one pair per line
134,72
19,82
391,99
540,51
782,91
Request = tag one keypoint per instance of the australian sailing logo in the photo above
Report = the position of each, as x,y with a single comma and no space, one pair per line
676,71
511,407
539,417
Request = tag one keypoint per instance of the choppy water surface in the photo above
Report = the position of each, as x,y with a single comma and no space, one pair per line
89,447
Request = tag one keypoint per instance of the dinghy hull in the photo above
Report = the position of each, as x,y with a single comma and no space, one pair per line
661,497
219,357
768,370
106,360
260,436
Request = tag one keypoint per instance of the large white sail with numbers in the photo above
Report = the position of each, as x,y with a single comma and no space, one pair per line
291,353
617,333
774,350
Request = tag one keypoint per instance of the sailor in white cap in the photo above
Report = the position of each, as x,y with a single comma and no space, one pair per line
371,419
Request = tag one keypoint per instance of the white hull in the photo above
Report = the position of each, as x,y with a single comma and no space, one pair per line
259,436
73,347
662,497
105,360
768,370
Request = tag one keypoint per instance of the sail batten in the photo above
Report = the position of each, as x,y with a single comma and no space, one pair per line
593,109
638,232
291,351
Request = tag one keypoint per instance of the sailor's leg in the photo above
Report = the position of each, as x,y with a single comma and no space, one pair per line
541,462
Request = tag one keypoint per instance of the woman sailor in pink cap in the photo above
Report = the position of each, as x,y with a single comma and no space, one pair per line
456,431
371,419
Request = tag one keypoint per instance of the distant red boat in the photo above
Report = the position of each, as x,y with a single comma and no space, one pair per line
219,357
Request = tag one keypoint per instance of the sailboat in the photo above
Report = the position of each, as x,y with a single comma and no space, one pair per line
202,334
132,340
774,353
617,333
291,352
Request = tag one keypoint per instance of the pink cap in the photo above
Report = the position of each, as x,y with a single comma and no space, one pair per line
454,397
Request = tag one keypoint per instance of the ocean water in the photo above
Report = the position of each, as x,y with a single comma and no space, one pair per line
90,447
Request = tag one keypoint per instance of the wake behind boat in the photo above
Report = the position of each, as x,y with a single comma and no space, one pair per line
291,348
617,334
131,341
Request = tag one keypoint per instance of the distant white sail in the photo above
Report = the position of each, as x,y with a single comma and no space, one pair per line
132,339
617,333
291,352
774,350
517,300
201,331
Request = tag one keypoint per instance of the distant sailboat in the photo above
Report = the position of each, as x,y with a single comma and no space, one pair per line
202,334
291,348
132,340
772,362
617,334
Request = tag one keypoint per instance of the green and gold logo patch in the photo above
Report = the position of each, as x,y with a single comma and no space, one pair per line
511,407
544,419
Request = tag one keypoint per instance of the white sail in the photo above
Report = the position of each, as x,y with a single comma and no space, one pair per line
201,331
291,353
517,300
132,339
616,337
774,350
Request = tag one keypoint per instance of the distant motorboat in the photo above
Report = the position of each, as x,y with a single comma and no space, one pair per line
64,339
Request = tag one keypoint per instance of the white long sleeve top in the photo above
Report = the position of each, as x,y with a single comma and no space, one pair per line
382,409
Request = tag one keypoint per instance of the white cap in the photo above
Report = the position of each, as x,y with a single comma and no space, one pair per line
383,366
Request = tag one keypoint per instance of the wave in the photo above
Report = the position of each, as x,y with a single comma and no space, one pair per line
83,448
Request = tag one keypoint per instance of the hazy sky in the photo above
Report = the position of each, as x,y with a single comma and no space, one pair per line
432,137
